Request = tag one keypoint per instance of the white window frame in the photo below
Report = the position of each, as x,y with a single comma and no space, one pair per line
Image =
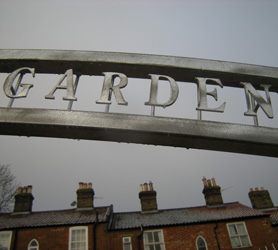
10,237
203,240
147,244
33,247
78,228
238,235
129,243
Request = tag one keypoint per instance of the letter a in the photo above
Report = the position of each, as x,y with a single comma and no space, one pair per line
69,87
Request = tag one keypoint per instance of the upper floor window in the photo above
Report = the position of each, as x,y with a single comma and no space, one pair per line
78,238
238,235
127,243
33,245
5,240
201,243
153,240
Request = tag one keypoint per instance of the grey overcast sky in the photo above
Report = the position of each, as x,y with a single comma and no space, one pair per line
238,31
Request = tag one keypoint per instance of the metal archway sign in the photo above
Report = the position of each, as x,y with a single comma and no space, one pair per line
177,132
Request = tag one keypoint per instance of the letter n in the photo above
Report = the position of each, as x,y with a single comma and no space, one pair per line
254,100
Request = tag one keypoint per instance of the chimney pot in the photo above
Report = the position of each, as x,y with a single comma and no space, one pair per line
209,183
145,187
251,189
29,189
141,187
205,182
151,186
19,190
262,189
80,185
213,182
90,185
257,189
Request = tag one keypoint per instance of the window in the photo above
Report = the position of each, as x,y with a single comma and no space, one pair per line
33,245
201,243
153,240
127,243
78,238
238,235
5,240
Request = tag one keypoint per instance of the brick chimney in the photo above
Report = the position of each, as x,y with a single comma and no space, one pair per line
260,199
85,195
23,200
148,198
212,193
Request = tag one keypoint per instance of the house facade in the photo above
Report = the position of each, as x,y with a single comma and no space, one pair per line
215,226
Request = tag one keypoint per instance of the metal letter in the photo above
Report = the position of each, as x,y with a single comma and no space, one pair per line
154,90
260,102
108,87
69,87
202,95
10,91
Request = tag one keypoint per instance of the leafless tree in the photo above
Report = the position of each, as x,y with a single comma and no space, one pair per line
8,188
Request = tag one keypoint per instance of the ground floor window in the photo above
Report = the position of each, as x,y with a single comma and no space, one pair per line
201,243
5,240
33,245
238,235
153,240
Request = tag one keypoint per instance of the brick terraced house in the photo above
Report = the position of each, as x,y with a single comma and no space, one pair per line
216,226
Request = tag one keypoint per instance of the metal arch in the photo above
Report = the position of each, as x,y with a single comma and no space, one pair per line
134,128
137,66
175,132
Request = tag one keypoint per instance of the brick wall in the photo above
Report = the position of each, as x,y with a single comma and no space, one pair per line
102,237
260,231
48,238
116,239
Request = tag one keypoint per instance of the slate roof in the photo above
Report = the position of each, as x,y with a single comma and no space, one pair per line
54,218
229,211
132,220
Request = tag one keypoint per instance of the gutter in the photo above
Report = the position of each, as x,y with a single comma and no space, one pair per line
94,232
216,236
140,236
15,239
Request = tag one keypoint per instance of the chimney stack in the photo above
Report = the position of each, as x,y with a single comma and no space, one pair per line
148,198
260,199
23,200
212,193
85,195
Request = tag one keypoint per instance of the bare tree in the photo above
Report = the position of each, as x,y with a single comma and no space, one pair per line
8,188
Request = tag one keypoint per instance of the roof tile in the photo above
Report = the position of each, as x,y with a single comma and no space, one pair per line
54,218
182,216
